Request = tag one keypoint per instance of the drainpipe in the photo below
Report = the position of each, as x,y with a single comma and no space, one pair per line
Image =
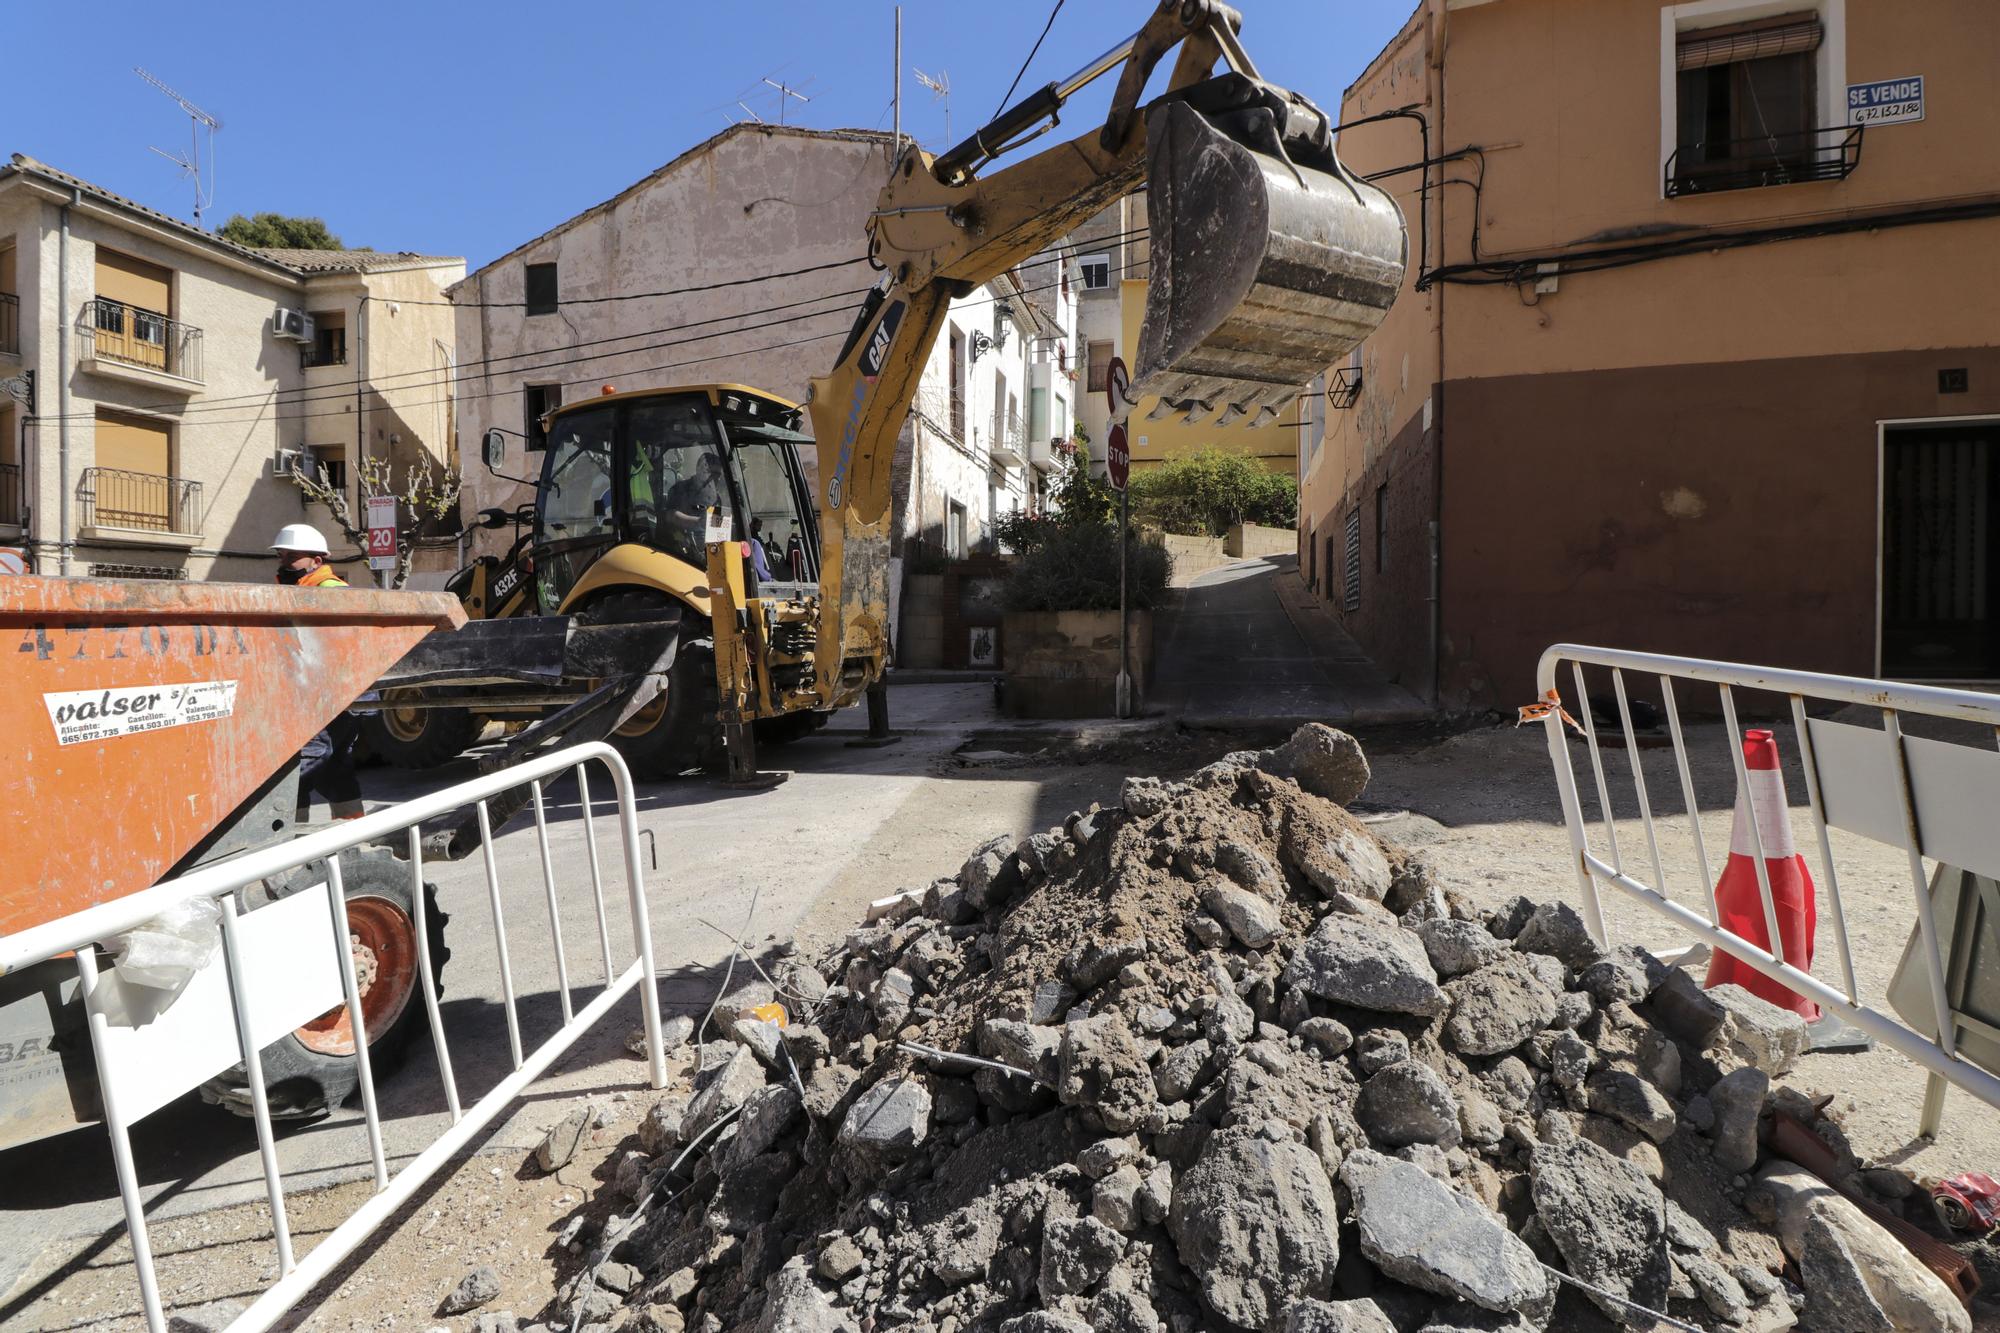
1437,407
62,388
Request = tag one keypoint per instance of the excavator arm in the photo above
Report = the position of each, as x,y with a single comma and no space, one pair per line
1270,261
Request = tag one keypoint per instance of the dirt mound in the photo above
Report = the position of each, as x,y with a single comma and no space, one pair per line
1219,1058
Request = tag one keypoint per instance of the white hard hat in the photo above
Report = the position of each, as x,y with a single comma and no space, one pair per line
300,537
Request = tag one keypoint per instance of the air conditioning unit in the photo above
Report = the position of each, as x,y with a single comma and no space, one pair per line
287,462
293,324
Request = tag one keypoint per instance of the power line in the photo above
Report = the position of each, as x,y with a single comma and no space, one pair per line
339,390
551,365
1029,61
647,296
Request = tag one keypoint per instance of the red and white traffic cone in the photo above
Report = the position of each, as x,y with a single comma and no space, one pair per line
1739,902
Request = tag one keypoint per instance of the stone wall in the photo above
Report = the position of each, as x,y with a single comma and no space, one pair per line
1063,664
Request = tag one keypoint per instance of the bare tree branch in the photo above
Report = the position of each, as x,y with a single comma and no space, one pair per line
426,501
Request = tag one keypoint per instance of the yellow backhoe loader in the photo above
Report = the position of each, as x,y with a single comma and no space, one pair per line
1269,262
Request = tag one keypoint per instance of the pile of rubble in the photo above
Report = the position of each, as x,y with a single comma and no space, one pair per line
1219,1059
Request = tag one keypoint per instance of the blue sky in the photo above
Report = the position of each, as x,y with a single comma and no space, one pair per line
467,129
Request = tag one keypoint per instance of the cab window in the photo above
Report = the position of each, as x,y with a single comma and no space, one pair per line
575,502
677,475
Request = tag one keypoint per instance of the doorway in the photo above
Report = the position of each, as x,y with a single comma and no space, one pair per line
1940,550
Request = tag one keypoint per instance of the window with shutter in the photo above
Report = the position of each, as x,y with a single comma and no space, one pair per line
1747,107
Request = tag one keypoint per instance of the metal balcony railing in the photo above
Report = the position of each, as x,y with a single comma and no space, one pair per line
136,337
10,494
141,501
1830,153
1010,441
10,323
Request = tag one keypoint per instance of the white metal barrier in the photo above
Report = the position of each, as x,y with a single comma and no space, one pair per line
83,931
1925,797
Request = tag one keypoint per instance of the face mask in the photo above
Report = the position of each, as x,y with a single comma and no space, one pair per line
286,574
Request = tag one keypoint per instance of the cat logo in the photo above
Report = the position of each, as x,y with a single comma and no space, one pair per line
878,345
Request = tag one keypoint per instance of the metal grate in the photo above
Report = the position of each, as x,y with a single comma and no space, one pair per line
1350,577
117,571
1830,153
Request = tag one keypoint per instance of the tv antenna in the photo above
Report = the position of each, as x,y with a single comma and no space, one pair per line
190,161
785,90
940,90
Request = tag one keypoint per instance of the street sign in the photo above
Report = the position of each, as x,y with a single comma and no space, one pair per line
381,532
1886,101
1116,380
1116,457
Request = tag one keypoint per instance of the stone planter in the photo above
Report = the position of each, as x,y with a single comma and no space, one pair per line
1064,664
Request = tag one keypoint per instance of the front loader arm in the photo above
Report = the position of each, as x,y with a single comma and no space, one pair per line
1290,262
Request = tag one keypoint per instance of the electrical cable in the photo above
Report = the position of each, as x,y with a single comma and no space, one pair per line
645,296
1009,95
339,390
549,365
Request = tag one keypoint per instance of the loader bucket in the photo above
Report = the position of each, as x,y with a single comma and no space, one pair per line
140,715
1268,265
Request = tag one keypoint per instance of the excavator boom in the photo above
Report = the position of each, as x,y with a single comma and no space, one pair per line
1269,262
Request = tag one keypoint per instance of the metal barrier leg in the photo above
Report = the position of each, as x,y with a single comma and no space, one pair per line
500,933
642,927
343,935
1572,805
426,977
253,1070
121,1152
1932,1119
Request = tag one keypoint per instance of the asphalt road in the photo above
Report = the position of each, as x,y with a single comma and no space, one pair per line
1232,652
852,824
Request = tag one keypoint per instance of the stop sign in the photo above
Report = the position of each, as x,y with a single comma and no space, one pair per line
1116,457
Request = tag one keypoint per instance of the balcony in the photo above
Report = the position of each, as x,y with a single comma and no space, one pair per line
1827,154
1010,445
10,496
10,324
139,508
127,342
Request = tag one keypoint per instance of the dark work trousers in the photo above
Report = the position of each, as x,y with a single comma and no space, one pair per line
326,766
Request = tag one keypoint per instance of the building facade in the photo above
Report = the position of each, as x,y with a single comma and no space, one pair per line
1697,353
742,261
162,383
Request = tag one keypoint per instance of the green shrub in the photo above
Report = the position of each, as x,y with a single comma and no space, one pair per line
1206,493
1074,567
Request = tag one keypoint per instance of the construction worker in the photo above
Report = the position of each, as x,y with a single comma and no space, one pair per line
302,558
326,764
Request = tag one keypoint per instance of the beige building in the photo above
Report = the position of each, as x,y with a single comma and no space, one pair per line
742,261
1113,254
161,382
1697,352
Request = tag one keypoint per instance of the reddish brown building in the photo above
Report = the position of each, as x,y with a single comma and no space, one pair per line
1702,354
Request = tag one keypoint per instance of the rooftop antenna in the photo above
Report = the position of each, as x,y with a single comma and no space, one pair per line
941,90
784,91
190,161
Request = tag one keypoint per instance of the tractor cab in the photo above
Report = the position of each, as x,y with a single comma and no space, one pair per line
655,468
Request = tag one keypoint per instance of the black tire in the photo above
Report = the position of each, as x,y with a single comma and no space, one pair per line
418,738
304,1075
678,731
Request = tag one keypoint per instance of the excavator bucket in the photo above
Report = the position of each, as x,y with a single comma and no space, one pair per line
1270,261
